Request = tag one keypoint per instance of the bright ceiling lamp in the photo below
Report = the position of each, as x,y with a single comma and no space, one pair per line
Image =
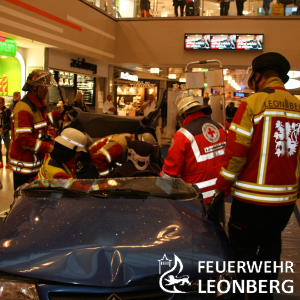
294,74
154,70
292,84
172,76
182,80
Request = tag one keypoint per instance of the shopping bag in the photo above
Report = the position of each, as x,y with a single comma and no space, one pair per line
277,9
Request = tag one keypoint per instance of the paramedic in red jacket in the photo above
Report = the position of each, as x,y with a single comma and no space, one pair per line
197,148
261,168
29,123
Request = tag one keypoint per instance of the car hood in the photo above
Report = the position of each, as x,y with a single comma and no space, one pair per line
105,242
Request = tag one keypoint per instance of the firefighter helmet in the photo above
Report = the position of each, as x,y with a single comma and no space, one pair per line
39,77
72,139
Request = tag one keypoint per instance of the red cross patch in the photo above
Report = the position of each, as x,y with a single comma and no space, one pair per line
210,132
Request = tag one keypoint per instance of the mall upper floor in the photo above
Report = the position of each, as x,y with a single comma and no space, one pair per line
208,8
74,26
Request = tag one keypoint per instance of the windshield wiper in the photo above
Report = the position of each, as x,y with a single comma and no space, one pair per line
131,192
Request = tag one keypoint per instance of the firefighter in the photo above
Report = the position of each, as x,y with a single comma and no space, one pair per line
197,148
29,125
60,164
111,151
261,167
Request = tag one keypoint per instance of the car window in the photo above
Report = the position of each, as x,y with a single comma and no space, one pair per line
136,187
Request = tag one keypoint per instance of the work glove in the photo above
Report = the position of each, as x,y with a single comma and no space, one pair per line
47,138
216,206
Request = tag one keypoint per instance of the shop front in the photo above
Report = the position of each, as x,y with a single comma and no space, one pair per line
131,92
74,75
12,69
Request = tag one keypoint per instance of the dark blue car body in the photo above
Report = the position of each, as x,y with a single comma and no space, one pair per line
72,243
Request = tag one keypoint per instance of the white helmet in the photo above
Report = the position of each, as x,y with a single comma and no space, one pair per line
72,138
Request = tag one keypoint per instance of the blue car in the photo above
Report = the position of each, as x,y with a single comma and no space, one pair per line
126,238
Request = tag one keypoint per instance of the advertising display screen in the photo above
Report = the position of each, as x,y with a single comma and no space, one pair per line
223,41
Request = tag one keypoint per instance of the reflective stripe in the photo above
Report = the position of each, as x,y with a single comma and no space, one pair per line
207,183
38,145
273,113
195,148
240,130
227,174
25,171
26,164
95,187
166,176
208,194
261,198
40,134
71,141
40,125
23,129
106,172
265,188
50,116
262,162
194,145
68,184
108,157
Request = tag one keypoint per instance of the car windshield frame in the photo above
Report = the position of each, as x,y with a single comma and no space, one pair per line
118,188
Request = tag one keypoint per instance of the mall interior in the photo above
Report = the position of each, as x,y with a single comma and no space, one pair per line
106,47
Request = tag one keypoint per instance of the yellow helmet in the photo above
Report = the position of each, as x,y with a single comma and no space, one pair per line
148,138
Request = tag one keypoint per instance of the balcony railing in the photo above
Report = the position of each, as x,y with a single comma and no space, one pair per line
164,8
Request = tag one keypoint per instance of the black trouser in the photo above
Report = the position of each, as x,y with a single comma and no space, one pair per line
224,8
181,4
20,179
240,7
255,235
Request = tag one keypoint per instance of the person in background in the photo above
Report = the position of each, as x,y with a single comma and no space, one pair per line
224,5
66,122
240,7
266,6
16,99
261,169
148,106
164,114
108,106
78,102
181,4
4,130
145,7
29,126
197,149
230,111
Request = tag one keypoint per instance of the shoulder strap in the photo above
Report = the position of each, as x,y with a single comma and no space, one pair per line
29,103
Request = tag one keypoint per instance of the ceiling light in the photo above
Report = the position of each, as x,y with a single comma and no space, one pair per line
182,80
154,70
172,76
294,74
292,84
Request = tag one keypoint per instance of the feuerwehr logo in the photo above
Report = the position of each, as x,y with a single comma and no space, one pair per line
171,283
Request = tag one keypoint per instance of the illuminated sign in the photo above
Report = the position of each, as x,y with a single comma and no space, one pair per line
8,47
128,76
196,41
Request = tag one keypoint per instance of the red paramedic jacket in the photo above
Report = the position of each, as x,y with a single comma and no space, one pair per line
196,153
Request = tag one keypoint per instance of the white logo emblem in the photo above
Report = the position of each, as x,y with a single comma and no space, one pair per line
286,138
172,280
211,132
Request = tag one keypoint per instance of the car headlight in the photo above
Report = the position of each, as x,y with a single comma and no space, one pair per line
17,290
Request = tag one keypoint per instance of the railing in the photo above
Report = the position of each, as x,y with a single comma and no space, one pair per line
204,8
